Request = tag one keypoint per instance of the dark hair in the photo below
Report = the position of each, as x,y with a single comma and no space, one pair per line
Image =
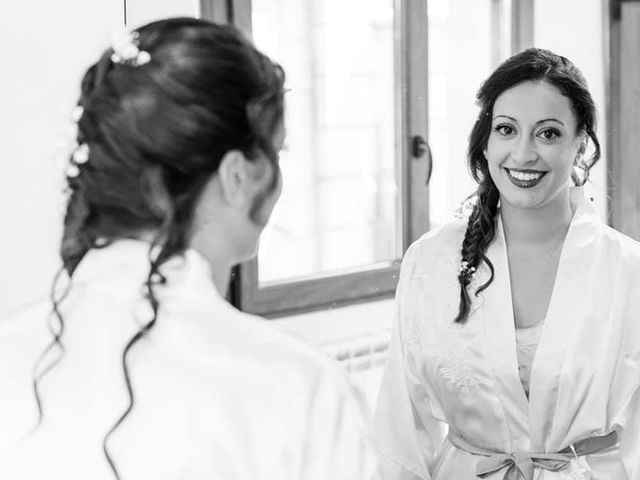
156,133
530,65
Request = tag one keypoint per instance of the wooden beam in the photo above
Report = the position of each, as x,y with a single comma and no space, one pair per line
215,10
521,25
624,117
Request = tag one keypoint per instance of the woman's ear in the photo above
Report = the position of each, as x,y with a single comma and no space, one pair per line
234,177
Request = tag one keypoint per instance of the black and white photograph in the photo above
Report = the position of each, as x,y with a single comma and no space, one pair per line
320,240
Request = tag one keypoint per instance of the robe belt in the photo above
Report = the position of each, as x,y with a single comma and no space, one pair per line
518,465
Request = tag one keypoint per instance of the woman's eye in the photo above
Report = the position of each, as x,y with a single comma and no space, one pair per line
549,134
505,130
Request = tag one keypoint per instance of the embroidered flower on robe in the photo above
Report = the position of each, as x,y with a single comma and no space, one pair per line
455,370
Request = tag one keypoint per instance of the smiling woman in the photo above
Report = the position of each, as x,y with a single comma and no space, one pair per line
517,328
537,145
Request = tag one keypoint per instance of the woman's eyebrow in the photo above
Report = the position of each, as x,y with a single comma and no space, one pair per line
550,120
506,116
537,123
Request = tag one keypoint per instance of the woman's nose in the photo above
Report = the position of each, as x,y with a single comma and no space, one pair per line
524,151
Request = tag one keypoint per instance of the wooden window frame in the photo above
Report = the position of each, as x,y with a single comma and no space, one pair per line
376,281
623,115
522,13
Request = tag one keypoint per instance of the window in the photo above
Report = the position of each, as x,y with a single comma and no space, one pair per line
354,195
382,94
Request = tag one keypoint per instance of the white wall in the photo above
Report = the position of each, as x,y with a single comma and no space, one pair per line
45,48
140,12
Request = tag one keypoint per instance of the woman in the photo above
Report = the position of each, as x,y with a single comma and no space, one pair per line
146,372
516,349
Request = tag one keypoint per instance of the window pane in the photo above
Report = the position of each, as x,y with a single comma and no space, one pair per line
339,207
467,39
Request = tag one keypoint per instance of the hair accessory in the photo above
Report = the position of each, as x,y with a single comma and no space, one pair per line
72,170
79,157
126,51
76,113
465,209
81,154
465,271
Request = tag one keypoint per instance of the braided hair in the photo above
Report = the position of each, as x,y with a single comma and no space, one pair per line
156,133
533,64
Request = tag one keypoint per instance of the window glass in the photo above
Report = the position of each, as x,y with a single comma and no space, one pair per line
339,207
467,39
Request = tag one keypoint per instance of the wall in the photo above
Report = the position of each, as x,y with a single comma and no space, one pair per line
44,54
140,12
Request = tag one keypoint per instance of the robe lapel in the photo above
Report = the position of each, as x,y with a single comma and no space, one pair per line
565,308
496,312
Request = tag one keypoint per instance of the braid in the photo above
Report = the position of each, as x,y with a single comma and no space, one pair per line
478,235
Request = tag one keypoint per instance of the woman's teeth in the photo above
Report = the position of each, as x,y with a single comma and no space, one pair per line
525,176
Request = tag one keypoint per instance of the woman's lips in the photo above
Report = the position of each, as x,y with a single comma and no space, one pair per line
525,178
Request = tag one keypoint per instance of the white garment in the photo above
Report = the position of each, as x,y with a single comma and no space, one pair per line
218,394
585,377
527,340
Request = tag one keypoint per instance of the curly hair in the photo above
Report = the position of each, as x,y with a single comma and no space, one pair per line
156,134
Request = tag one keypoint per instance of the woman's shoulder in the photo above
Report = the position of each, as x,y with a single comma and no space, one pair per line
256,345
446,234
620,244
440,243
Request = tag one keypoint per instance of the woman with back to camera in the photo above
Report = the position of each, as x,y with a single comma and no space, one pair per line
146,372
518,330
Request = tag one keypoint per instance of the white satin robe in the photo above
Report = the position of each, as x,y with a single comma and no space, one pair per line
219,395
585,377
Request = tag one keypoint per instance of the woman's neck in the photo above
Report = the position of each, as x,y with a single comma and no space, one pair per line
216,251
537,226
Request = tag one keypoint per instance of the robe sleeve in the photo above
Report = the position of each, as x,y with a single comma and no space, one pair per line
406,436
630,435
336,444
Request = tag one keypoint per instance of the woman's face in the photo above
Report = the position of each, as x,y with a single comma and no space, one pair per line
266,196
533,145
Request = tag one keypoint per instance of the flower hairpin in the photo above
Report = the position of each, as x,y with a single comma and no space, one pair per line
465,209
79,157
76,114
465,271
80,153
125,46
